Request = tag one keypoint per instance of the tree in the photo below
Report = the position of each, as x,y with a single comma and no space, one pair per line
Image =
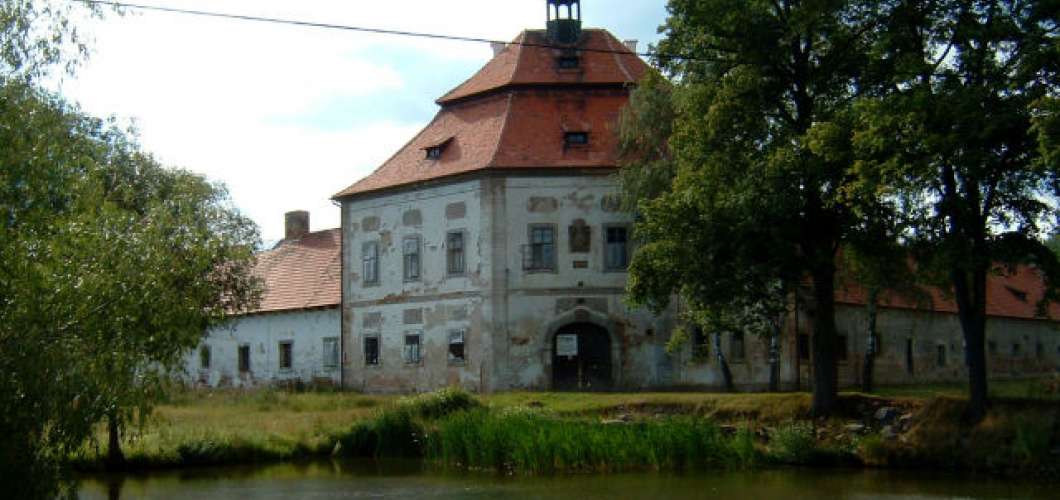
966,136
111,267
756,194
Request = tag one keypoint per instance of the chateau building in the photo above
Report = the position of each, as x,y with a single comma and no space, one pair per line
490,253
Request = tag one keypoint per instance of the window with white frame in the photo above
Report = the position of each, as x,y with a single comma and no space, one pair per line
454,242
616,248
540,254
204,357
411,247
331,352
412,352
370,262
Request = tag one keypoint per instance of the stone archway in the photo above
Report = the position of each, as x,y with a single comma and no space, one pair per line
581,358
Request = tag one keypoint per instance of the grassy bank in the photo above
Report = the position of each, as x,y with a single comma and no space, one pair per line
532,432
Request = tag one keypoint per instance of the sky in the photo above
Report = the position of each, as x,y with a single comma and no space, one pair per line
287,116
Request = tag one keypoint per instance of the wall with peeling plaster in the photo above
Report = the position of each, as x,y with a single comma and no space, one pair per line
510,315
263,333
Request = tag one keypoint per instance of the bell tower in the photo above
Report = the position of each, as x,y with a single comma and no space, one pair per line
564,21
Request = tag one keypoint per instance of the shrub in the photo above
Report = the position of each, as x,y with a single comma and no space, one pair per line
793,444
434,405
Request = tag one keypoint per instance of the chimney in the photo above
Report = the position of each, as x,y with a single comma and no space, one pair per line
498,47
295,224
631,45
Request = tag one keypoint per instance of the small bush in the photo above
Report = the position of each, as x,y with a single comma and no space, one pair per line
1031,442
434,405
793,444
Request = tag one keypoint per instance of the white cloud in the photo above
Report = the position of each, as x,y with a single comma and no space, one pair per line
234,100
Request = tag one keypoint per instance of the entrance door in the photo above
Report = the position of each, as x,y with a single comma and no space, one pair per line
581,358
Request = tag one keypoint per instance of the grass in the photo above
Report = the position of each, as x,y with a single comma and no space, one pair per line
539,432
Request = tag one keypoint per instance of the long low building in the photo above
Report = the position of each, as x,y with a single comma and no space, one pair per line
292,337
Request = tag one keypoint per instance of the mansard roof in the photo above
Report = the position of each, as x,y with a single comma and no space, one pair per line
301,274
514,112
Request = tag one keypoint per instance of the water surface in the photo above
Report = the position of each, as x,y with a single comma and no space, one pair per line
368,479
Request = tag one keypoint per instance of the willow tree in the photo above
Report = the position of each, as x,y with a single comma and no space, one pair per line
967,134
757,196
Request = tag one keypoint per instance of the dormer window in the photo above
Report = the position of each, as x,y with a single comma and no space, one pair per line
434,151
568,62
575,139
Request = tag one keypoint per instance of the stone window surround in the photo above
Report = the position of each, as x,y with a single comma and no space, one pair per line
405,268
554,269
378,350
463,249
290,358
463,342
375,262
405,348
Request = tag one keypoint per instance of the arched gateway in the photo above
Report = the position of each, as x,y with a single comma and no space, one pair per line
581,358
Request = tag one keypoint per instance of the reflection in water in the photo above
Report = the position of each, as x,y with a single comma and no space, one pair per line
408,479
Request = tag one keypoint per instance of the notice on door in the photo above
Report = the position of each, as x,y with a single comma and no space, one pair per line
567,345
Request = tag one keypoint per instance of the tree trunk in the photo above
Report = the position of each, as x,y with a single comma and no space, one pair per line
774,358
971,309
726,374
825,371
873,341
115,457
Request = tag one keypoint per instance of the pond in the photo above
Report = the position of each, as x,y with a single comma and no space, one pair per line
370,479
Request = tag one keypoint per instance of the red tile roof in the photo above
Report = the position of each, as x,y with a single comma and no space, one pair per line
1014,295
301,274
514,112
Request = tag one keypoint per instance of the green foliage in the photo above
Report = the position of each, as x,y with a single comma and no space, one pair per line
526,441
964,142
437,404
1031,443
111,267
753,191
794,443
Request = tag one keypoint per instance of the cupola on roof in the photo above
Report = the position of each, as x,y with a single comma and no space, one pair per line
516,111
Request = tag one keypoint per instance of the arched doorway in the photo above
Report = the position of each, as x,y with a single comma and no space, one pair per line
581,358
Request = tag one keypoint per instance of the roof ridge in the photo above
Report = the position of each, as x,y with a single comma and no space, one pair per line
618,57
515,42
500,135
390,158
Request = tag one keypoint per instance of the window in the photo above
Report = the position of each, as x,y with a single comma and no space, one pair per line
411,246
616,248
454,255
1039,350
567,62
244,358
940,355
370,262
434,152
700,344
575,139
331,352
285,354
1017,349
412,352
371,351
736,346
456,346
204,357
841,347
991,346
803,346
541,254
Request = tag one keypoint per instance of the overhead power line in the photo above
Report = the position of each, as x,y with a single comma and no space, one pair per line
363,29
